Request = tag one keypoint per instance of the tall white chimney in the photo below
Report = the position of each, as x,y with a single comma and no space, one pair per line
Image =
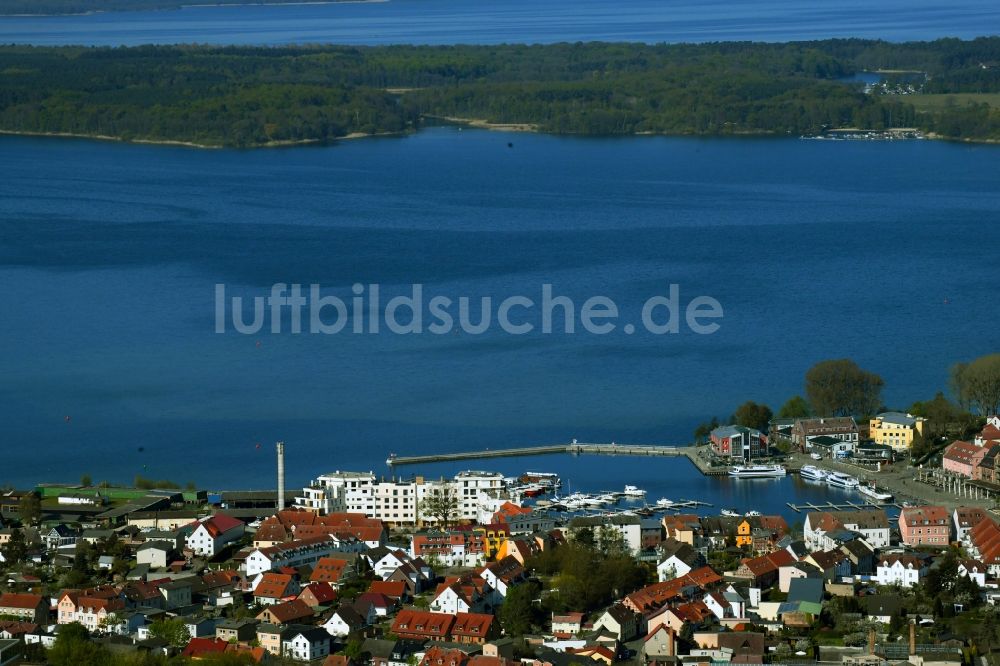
281,476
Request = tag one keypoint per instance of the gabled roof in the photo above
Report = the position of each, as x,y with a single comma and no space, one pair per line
423,623
274,586
391,589
220,523
924,515
323,593
22,601
197,647
290,611
472,624
330,570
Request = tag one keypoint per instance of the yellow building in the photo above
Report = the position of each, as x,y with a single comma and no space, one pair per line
493,537
896,429
743,534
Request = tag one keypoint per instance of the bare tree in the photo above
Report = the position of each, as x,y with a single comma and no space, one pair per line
440,503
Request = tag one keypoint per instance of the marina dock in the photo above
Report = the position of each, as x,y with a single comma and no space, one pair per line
839,506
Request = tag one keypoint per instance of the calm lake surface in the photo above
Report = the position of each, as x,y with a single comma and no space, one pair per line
110,253
531,21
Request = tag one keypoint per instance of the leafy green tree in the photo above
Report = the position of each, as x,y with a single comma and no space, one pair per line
86,481
977,384
172,630
702,432
518,613
441,504
795,408
611,541
30,508
73,647
752,415
841,388
585,537
16,549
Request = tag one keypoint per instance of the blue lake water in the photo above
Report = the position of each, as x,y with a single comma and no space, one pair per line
531,21
110,253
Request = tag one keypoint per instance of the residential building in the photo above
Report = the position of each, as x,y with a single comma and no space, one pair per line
677,559
240,631
738,443
398,501
905,570
306,644
621,621
659,645
422,625
896,429
274,588
30,607
567,625
962,458
157,554
925,526
475,628
965,518
843,428
821,528
984,544
210,535
295,553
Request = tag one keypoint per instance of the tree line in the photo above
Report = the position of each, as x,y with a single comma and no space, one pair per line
251,96
840,387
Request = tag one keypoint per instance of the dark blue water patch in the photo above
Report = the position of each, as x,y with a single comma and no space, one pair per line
109,255
521,21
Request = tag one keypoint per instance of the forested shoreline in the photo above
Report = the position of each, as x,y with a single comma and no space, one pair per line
255,96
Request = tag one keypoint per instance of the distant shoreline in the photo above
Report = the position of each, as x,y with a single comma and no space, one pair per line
169,8
519,128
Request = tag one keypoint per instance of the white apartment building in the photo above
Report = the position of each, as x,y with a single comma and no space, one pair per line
398,501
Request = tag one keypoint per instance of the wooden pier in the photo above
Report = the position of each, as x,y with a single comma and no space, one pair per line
839,506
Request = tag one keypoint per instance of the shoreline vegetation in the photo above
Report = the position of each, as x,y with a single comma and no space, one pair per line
250,97
44,8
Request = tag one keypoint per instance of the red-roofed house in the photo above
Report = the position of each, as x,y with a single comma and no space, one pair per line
508,510
763,571
965,518
925,526
468,594
286,613
566,625
474,628
211,535
962,458
318,594
200,647
440,656
422,625
274,588
984,540
394,589
31,607
333,570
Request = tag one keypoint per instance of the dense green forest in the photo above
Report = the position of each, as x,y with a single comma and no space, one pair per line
247,96
51,7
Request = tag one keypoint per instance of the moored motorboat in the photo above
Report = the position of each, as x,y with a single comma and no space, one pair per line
874,494
632,491
841,480
730,513
757,471
812,473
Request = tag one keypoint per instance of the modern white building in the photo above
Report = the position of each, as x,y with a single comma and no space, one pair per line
399,501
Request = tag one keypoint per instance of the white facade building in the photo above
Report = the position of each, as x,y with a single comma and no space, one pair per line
398,501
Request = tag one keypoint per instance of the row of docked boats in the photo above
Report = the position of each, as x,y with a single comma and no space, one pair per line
578,501
846,481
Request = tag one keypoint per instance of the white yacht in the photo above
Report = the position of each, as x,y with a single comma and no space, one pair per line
663,501
752,513
812,473
730,513
841,480
874,494
632,491
756,471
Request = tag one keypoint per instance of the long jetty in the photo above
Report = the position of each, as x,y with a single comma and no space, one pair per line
575,448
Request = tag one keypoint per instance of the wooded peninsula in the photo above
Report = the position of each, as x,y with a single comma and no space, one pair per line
255,96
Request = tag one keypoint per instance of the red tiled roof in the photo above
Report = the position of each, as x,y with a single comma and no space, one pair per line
290,611
220,523
199,646
422,623
329,570
273,586
323,593
472,624
22,601
391,589
924,515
